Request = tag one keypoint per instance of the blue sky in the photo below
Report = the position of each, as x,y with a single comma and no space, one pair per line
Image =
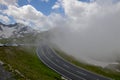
44,7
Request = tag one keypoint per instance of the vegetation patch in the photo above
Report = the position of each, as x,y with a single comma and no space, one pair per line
26,63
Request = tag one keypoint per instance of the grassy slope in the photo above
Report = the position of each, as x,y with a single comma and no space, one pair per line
27,63
96,69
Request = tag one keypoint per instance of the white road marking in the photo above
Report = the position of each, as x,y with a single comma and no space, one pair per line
81,73
66,65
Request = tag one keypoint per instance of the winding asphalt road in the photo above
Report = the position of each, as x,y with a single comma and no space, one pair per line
64,68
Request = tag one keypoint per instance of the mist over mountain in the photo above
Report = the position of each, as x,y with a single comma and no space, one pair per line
90,32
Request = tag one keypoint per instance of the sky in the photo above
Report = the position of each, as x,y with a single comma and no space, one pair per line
87,30
45,7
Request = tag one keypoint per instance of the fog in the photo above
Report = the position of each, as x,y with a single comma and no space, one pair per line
89,31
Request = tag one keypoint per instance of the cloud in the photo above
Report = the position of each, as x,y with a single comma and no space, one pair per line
4,18
26,14
9,2
57,5
90,31
4,4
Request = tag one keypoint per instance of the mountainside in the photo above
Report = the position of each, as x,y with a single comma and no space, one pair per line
14,30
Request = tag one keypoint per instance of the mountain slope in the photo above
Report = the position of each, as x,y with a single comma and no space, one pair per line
14,30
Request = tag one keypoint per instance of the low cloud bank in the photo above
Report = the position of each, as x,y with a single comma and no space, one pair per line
90,32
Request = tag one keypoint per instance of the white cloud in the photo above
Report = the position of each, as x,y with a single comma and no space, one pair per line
26,14
26,11
57,5
4,18
9,2
90,31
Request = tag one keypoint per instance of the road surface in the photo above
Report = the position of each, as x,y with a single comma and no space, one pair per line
64,68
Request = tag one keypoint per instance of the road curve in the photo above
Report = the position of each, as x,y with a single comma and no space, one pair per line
64,68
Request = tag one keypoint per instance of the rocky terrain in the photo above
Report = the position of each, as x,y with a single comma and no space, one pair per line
4,74
14,30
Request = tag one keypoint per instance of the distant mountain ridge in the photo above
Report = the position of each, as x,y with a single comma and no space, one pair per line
14,30
10,25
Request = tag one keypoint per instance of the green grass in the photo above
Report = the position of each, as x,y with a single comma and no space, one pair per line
27,63
99,70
